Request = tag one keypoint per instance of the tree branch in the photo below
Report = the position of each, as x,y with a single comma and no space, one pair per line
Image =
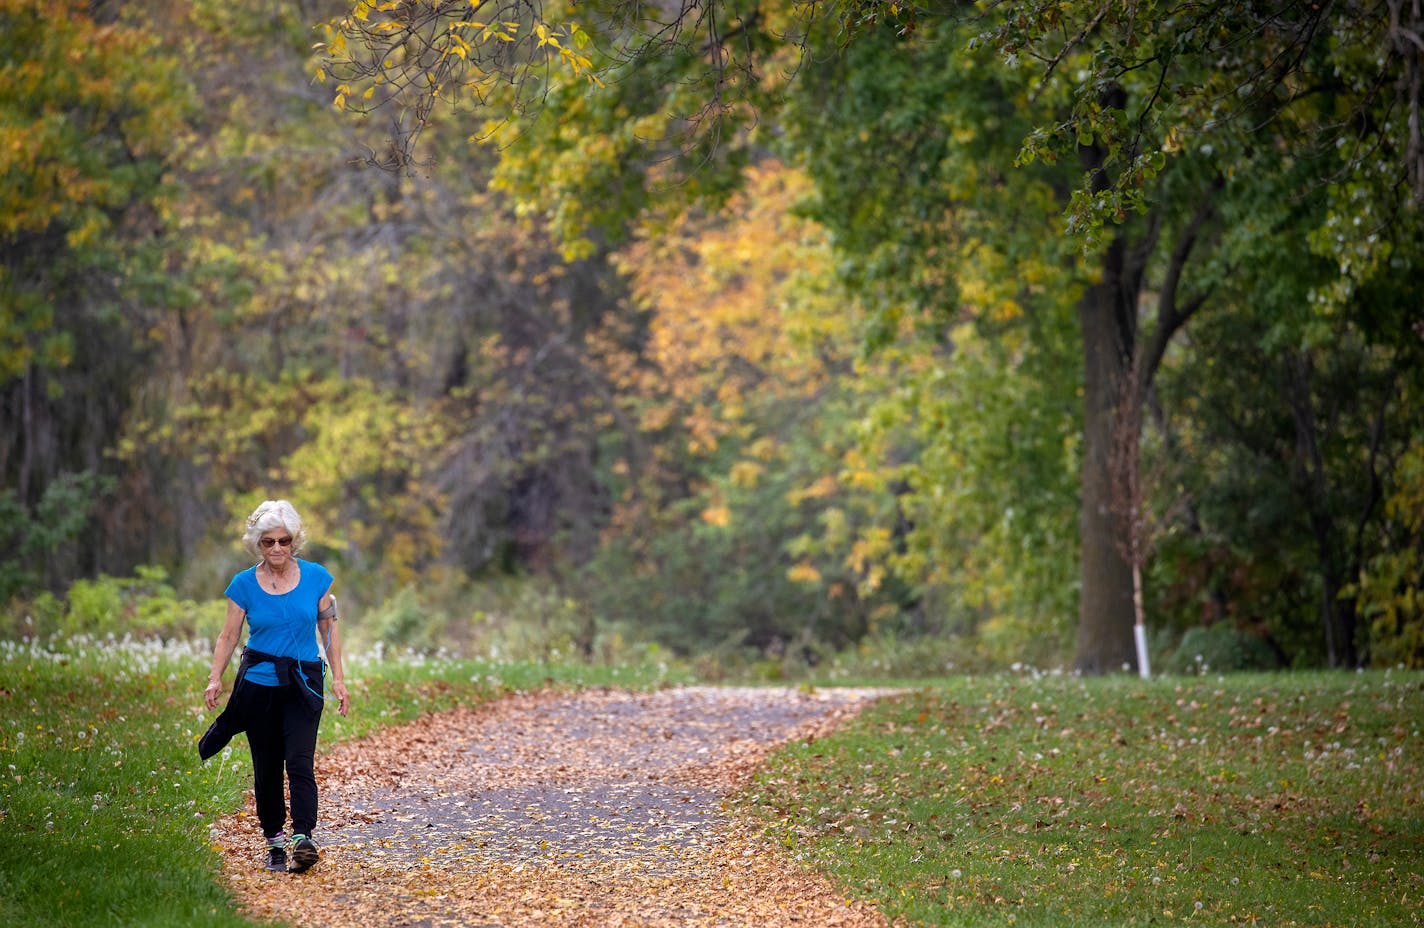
1172,315
1068,46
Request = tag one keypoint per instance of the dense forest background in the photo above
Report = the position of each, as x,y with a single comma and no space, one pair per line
930,337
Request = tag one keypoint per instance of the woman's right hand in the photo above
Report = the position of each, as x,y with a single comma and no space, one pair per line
211,694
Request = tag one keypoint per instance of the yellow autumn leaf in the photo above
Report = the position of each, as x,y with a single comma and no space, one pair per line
825,487
719,516
803,573
745,473
872,545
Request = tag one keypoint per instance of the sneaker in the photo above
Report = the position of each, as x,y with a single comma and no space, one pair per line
304,853
277,859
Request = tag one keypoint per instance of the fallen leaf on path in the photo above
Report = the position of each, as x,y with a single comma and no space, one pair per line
600,809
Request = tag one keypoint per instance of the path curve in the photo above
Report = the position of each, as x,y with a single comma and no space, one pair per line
567,810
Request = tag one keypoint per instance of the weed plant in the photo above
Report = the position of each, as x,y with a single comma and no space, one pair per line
105,809
1033,800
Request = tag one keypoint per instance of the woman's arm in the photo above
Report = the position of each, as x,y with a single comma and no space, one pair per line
222,652
331,638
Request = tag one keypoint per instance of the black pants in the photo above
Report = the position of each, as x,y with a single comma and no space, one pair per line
281,731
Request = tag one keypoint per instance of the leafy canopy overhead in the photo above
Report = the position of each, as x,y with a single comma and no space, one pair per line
1146,81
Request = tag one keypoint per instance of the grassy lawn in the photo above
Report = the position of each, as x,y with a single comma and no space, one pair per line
104,806
1049,800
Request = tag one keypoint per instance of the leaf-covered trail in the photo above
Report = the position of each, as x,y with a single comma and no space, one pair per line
600,808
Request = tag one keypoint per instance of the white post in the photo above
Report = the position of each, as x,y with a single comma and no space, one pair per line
1139,632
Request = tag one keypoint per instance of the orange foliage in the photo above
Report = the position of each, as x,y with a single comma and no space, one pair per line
731,328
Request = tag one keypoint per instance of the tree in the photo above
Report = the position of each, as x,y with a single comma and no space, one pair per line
1290,439
88,103
1169,112
397,354
1239,86
741,395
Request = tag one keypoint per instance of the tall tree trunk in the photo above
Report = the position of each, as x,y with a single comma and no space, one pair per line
1105,614
1107,314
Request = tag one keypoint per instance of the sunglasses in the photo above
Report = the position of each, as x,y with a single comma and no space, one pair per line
269,542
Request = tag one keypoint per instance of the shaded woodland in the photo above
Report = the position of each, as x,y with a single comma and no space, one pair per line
962,335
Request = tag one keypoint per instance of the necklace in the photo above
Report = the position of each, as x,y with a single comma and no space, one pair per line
273,579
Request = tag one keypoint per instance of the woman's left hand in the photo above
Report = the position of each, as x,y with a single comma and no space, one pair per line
343,698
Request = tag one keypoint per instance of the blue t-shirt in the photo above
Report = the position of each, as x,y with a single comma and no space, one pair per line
281,624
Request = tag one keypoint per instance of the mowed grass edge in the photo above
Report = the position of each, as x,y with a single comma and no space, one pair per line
105,809
1051,800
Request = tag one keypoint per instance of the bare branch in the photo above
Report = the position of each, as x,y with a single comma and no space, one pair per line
1068,46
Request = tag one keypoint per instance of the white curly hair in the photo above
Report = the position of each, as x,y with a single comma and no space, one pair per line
273,513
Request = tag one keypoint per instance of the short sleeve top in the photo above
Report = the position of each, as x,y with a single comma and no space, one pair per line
283,624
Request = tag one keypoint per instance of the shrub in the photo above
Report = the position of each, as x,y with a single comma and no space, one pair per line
1390,592
142,606
1221,647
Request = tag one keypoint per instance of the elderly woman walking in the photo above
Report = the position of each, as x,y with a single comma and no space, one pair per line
278,693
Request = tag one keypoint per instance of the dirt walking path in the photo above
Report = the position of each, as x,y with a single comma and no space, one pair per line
574,810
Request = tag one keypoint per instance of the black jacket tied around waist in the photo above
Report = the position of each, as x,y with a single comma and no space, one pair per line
292,675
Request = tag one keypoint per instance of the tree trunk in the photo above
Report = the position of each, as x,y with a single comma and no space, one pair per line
1337,615
1108,317
1105,613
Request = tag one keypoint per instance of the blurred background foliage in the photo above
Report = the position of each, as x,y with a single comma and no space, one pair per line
812,397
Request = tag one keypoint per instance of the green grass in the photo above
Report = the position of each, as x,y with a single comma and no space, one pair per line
1025,800
1049,800
105,809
